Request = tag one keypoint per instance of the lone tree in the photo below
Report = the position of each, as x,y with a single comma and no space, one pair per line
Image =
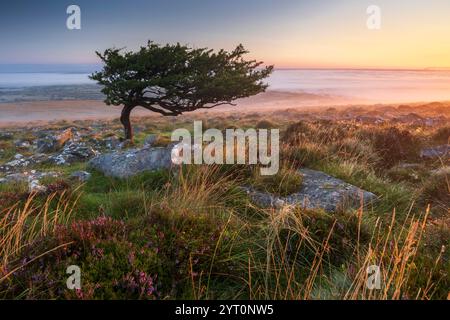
174,79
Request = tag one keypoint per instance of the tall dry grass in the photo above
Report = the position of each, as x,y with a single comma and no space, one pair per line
284,273
24,222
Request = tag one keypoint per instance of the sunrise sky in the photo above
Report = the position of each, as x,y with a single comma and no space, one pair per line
287,33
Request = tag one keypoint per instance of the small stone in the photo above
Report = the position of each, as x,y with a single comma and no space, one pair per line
22,144
22,162
278,203
35,187
124,144
436,152
111,143
81,176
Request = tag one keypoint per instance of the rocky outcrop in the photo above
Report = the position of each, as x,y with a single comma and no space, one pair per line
31,178
20,162
53,143
318,191
124,164
73,152
436,152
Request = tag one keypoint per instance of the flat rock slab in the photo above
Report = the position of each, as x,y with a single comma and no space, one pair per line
318,191
436,152
125,164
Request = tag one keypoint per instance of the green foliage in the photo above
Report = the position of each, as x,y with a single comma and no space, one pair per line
173,79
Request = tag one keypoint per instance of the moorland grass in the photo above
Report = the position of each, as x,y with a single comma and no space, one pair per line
193,233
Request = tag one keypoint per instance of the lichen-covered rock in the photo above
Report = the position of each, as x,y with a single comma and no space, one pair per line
99,141
54,143
111,143
31,177
318,191
35,187
73,152
436,152
124,164
20,162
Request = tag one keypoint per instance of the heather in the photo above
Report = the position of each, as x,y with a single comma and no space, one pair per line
193,232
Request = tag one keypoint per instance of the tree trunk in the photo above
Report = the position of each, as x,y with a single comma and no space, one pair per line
125,120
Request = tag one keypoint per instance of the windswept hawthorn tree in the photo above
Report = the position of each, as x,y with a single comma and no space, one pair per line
174,79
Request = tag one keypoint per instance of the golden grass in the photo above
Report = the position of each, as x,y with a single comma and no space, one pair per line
277,254
23,223
394,253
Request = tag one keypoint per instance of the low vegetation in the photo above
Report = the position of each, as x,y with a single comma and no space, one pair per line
193,233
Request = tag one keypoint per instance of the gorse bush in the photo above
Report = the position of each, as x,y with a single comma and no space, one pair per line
441,135
394,145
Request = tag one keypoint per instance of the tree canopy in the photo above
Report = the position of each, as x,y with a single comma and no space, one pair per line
173,79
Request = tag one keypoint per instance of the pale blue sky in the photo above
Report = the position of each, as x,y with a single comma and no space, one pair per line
287,33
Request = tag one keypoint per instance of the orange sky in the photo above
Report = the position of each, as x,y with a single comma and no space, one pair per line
414,34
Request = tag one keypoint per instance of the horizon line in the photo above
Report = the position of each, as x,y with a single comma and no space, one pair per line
275,67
